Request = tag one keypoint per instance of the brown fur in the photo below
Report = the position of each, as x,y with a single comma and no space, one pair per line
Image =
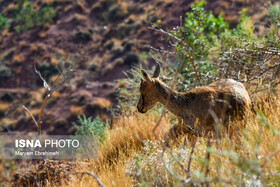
209,105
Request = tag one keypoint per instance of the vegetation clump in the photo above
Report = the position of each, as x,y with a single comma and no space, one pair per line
28,17
4,25
206,49
5,72
92,127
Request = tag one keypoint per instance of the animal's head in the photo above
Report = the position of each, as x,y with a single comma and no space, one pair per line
148,91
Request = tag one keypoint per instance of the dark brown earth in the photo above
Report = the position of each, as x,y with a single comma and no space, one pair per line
105,38
58,173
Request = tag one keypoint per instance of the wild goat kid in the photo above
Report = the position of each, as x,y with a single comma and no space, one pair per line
207,105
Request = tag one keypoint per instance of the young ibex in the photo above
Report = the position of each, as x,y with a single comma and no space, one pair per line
220,100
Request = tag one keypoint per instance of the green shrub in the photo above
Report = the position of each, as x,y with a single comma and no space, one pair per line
201,28
46,15
274,13
206,49
192,41
4,25
199,31
47,70
26,17
89,127
8,97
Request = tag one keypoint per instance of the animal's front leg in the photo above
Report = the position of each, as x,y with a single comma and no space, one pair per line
182,128
189,124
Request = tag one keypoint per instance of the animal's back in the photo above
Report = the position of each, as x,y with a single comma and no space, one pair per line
234,92
225,98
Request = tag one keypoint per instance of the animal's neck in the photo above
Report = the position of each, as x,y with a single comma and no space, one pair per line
175,102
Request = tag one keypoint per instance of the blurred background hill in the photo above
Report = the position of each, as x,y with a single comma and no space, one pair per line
103,37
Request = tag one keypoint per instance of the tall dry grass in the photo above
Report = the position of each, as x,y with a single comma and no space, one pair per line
125,139
249,157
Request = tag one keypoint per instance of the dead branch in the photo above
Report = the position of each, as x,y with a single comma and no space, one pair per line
159,50
271,174
194,68
185,181
191,154
181,165
50,90
45,84
68,75
208,156
31,115
268,158
160,30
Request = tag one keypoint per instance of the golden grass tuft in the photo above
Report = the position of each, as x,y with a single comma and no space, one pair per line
17,59
56,95
42,34
126,140
124,7
37,95
79,17
48,2
6,121
4,106
102,103
76,110
35,112
11,7
122,83
123,141
34,47
5,32
54,61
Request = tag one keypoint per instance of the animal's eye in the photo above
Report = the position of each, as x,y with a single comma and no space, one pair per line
143,85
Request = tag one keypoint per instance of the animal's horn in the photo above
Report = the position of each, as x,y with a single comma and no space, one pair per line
157,71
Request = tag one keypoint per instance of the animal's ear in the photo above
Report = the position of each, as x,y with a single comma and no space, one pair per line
157,71
146,76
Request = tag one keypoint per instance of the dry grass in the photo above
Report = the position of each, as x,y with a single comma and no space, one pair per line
4,106
76,110
124,140
102,103
117,156
131,154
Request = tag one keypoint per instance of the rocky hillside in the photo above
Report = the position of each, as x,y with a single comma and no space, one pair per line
103,37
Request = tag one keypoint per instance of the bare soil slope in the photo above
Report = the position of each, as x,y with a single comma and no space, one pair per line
104,37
